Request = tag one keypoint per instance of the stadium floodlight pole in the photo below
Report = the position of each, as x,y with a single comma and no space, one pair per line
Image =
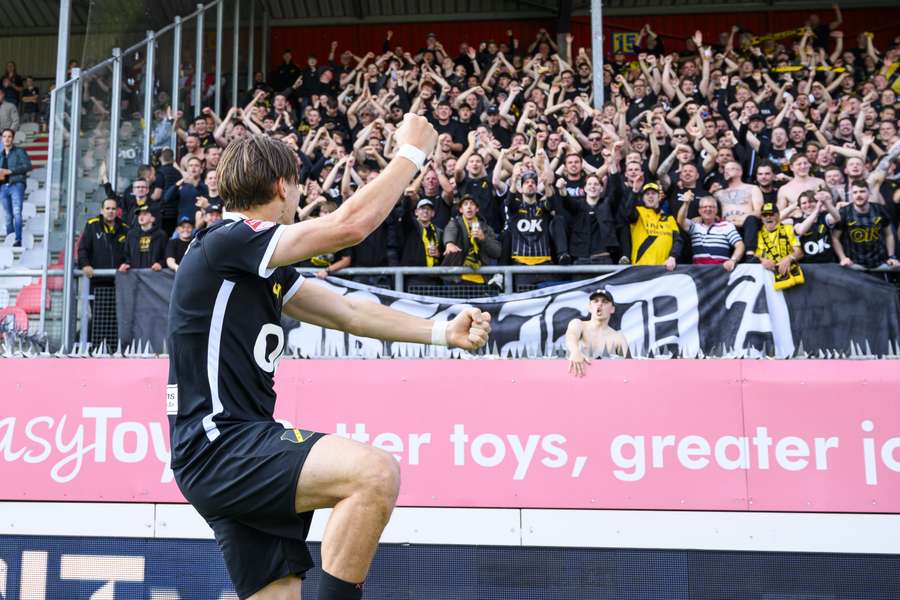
115,110
149,81
251,42
217,76
62,42
176,79
72,181
236,48
198,64
597,50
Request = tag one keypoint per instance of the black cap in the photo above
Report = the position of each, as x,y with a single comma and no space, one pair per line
529,175
600,292
184,220
213,207
757,117
141,208
768,209
492,110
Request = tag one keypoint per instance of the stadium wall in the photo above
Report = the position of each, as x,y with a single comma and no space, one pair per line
675,29
88,506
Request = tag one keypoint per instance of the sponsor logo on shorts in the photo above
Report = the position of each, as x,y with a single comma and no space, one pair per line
296,436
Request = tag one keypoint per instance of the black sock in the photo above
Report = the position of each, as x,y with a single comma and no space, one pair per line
332,588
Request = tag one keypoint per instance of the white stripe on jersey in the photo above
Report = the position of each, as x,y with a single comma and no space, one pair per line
212,357
293,290
264,271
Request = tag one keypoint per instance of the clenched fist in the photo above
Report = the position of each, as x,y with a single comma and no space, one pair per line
417,131
469,330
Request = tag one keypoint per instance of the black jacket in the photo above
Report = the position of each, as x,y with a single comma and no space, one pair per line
143,248
102,246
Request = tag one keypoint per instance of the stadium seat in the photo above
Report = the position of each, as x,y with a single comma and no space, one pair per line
20,138
38,197
29,128
6,258
14,283
20,318
4,298
36,224
32,259
29,209
31,184
39,174
28,299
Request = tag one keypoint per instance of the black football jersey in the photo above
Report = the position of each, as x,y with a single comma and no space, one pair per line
225,338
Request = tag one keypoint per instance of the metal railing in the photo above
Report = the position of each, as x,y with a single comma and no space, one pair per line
120,90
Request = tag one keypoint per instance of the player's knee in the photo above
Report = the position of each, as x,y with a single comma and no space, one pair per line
382,476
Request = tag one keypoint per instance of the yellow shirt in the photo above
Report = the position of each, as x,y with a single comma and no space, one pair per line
651,237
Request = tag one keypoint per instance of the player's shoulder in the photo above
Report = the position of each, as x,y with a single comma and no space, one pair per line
93,220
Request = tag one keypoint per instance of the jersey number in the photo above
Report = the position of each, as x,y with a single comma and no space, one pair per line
268,363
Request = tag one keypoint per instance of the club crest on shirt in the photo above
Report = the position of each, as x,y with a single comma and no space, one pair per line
296,436
257,225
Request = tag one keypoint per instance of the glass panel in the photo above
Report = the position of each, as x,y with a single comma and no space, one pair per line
130,153
58,163
161,131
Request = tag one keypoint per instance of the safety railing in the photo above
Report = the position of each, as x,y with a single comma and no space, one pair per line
115,114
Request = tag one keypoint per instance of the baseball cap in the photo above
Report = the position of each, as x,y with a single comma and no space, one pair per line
424,202
600,292
142,208
768,209
493,110
651,186
529,175
757,117
184,220
213,207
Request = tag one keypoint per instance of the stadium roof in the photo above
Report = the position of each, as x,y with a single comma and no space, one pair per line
26,17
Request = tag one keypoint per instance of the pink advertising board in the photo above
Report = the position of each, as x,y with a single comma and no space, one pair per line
817,436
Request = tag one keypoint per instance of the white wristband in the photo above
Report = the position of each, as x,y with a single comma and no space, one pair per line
413,154
439,333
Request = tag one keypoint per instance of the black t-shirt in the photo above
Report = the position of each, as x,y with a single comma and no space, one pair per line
176,248
225,337
816,242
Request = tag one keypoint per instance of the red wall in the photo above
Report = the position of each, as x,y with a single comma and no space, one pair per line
884,22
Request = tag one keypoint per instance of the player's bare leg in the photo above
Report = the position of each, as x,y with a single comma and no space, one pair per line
286,588
361,483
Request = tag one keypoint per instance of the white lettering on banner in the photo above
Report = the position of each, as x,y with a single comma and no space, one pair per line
33,576
387,441
109,569
888,449
642,323
728,452
489,450
749,281
129,442
527,341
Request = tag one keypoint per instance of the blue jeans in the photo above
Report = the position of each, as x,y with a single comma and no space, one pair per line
12,196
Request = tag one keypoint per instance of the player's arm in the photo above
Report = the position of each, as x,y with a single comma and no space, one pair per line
314,303
363,212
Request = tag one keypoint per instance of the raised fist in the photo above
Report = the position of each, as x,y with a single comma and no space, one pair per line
416,130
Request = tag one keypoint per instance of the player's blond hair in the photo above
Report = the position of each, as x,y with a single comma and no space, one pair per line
250,168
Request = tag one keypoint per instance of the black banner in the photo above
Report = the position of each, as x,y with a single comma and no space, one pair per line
692,311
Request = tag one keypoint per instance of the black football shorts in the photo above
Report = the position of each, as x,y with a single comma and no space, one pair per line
245,486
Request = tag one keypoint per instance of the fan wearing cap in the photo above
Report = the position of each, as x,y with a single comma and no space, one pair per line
777,245
655,238
145,245
422,245
176,247
594,337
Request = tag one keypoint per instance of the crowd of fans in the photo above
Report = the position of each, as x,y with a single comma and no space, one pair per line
771,149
